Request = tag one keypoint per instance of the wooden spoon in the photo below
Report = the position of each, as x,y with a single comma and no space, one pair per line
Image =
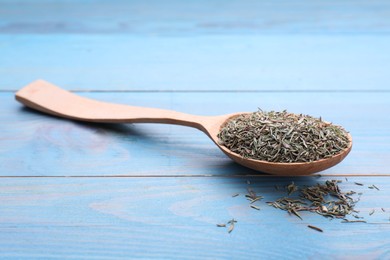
46,97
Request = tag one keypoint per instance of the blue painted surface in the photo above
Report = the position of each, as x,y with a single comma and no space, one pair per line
90,191
200,63
176,218
175,17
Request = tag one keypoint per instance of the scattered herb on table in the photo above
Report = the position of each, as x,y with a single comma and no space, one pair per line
230,223
231,226
252,196
353,221
255,207
373,187
315,228
291,188
324,199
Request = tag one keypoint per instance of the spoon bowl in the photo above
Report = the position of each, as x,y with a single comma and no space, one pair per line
48,98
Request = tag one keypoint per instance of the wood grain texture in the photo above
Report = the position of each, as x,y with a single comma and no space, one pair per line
199,63
175,218
33,144
193,17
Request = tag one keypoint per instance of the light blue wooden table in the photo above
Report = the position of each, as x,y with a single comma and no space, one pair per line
93,191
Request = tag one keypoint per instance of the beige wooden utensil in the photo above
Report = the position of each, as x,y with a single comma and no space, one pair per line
46,97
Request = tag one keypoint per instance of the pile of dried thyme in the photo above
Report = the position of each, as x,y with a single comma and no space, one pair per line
325,199
282,137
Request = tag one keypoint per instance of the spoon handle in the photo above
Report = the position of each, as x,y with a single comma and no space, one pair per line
48,98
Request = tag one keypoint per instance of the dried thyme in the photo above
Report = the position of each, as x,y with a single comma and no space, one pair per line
231,227
252,196
291,188
230,223
318,199
282,137
353,221
373,187
315,228
255,207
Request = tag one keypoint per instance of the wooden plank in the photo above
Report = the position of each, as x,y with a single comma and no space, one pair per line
175,218
201,63
198,17
33,144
